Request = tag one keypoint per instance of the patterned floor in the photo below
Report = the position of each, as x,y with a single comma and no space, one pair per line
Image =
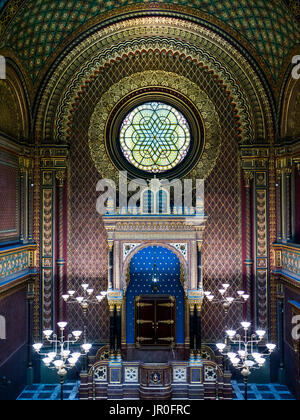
40,392
255,392
263,392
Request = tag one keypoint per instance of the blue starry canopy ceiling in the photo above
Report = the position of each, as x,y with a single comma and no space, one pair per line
141,271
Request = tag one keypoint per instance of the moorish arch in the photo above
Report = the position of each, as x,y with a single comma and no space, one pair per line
172,90
87,58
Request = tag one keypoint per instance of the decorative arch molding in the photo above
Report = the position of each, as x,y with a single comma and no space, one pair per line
143,245
288,118
108,103
193,41
14,104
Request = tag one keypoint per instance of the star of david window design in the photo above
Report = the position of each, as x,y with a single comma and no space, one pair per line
155,137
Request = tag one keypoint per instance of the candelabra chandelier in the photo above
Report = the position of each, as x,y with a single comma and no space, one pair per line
247,358
60,358
86,299
225,299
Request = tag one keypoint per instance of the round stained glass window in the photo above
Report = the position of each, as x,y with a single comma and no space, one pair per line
155,137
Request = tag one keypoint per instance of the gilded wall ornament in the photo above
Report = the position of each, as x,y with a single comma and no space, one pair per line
115,42
106,105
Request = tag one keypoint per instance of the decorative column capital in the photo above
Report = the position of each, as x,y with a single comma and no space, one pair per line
248,176
61,176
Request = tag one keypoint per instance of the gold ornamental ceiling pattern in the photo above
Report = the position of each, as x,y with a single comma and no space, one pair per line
171,37
34,29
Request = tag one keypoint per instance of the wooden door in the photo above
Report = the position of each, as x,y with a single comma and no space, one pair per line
155,321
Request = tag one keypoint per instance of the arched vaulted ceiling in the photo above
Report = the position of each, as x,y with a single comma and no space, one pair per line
34,29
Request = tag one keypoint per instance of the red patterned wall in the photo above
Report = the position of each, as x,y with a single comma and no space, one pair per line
297,197
87,249
8,201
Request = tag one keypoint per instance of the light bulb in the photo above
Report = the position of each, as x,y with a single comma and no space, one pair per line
66,353
52,355
77,334
99,298
225,286
242,353
240,292
230,333
85,286
75,355
48,333
62,325
246,325
256,356
210,298
86,347
221,346
249,363
235,361
72,361
104,293
271,347
80,299
222,291
231,355
207,293
65,297
58,363
37,347
261,333
90,291
47,361
245,297
230,299
71,292
261,361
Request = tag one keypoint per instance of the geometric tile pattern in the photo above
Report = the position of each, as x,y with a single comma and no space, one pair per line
45,392
262,392
40,26
256,392
131,374
179,374
87,247
100,374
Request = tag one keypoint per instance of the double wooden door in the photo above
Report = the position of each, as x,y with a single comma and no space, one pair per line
155,321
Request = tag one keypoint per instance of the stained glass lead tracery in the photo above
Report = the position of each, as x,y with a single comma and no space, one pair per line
155,137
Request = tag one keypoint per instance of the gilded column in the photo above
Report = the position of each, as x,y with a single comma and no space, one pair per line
278,206
30,303
198,331
283,206
192,331
110,264
119,331
199,261
288,204
60,177
293,203
112,319
248,228
30,205
22,204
